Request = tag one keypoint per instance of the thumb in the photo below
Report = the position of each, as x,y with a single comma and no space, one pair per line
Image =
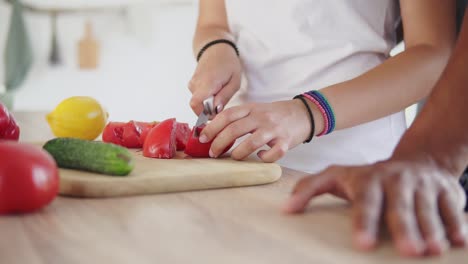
308,188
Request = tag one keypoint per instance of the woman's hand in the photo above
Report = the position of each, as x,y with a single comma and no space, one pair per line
280,125
420,203
218,73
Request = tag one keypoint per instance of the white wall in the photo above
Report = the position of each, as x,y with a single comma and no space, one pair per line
146,62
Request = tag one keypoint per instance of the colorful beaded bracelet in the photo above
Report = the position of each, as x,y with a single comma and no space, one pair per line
325,108
322,111
330,111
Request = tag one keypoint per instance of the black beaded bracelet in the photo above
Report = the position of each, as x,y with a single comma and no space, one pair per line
464,184
311,116
214,42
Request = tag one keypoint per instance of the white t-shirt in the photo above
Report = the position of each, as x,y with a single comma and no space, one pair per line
290,47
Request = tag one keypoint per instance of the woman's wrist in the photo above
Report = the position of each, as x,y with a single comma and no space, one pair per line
318,120
423,147
217,42
225,52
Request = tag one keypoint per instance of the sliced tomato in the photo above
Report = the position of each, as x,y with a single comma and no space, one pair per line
113,133
161,140
143,129
200,150
182,135
131,134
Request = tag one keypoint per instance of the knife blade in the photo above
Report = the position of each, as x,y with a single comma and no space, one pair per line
208,111
202,119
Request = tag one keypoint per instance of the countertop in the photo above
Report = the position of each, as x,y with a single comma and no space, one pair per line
237,225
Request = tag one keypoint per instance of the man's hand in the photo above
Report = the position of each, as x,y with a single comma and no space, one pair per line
420,203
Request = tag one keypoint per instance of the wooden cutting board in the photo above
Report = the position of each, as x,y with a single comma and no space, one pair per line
182,173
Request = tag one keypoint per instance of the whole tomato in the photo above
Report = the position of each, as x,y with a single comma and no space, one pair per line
8,127
161,140
200,150
29,178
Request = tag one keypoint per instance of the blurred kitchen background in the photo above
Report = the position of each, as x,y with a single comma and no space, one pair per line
144,61
144,58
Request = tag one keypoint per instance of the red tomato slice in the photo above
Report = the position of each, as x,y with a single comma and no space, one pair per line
182,135
143,129
131,134
29,178
161,140
113,133
200,150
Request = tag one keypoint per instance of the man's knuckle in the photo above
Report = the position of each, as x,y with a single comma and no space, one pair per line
302,184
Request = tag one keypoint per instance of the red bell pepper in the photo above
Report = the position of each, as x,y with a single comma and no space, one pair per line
8,127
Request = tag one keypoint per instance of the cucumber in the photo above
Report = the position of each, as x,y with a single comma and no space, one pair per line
100,157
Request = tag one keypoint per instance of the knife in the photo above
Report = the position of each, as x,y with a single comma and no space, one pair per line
208,111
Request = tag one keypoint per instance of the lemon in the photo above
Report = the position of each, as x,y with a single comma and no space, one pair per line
78,117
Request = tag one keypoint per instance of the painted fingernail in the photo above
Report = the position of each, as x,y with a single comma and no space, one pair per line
364,241
410,248
211,154
287,206
203,139
219,108
435,247
293,205
459,239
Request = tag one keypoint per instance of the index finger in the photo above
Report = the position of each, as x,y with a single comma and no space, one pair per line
367,209
202,88
221,121
196,103
308,188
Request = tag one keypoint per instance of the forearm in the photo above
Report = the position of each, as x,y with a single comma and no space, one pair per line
388,88
212,24
429,34
207,33
441,130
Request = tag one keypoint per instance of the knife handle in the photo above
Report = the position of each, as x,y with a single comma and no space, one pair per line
208,107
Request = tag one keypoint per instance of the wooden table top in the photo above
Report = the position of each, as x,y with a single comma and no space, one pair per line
237,225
